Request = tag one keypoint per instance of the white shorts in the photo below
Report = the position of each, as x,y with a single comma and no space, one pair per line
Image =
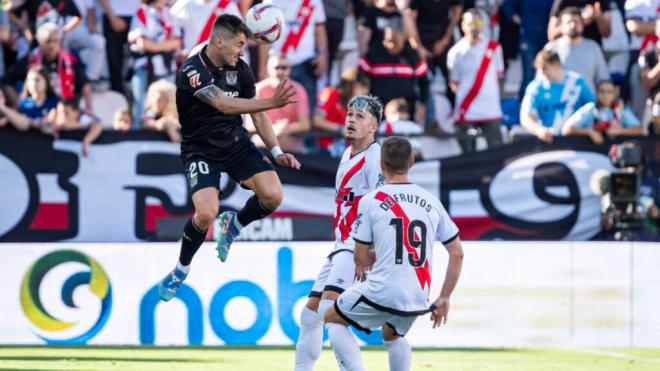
337,273
365,315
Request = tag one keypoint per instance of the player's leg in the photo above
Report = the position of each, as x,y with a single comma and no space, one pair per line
346,348
194,232
310,338
203,180
253,170
398,349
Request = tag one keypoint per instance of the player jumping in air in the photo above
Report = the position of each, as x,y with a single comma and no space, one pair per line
358,173
400,221
214,87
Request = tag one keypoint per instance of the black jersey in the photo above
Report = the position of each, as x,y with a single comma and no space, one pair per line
203,126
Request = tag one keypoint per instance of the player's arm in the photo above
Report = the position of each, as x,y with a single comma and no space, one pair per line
441,304
216,98
264,128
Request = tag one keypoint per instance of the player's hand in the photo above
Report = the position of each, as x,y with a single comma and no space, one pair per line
287,159
440,311
283,94
361,273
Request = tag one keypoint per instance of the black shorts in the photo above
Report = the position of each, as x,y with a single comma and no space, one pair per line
240,161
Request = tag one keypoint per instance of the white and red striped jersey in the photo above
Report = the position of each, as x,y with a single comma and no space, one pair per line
476,69
196,18
645,11
402,221
357,175
298,42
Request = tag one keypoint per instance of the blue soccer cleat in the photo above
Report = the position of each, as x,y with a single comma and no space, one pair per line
170,284
228,232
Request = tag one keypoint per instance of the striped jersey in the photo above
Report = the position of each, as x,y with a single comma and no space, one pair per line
402,221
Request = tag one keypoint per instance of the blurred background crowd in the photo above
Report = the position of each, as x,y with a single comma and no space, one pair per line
456,75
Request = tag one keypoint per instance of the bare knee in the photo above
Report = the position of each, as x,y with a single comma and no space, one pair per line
313,303
205,215
272,198
388,333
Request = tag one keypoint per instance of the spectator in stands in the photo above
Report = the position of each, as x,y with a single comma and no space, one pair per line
532,17
4,38
160,110
640,22
606,117
396,70
330,114
377,17
67,116
476,65
552,97
576,53
649,64
116,20
196,18
154,39
433,24
63,13
37,99
122,120
596,17
85,38
290,122
304,44
397,122
67,76
335,15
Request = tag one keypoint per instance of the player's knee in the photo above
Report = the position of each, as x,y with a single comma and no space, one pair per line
271,199
313,303
330,315
389,335
205,216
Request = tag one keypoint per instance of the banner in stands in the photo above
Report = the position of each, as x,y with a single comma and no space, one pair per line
510,294
131,187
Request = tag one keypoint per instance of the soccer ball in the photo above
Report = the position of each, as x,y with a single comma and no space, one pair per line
266,22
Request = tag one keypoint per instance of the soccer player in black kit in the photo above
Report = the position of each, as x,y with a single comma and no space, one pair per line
214,87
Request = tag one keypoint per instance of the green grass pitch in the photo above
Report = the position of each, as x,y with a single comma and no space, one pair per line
271,359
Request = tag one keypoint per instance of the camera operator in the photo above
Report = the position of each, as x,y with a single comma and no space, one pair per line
631,195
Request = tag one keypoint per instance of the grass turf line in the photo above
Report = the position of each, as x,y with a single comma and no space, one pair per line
281,358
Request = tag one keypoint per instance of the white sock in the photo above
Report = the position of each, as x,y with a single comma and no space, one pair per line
310,340
345,347
183,268
399,354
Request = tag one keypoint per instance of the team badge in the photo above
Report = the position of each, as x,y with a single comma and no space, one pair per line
231,77
194,80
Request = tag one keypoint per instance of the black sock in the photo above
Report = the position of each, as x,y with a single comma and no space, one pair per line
253,210
191,241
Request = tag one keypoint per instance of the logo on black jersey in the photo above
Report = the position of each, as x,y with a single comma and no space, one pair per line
194,80
231,77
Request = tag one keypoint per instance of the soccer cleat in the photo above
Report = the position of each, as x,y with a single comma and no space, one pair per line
170,284
228,232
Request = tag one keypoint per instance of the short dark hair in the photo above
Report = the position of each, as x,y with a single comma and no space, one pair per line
546,57
396,153
570,10
230,24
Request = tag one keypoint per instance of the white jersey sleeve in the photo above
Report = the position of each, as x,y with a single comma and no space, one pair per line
362,231
447,230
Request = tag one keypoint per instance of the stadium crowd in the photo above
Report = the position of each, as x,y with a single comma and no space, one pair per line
455,70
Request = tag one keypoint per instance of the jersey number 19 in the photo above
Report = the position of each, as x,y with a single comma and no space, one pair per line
411,241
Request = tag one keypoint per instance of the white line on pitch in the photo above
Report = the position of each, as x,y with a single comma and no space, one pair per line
613,354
